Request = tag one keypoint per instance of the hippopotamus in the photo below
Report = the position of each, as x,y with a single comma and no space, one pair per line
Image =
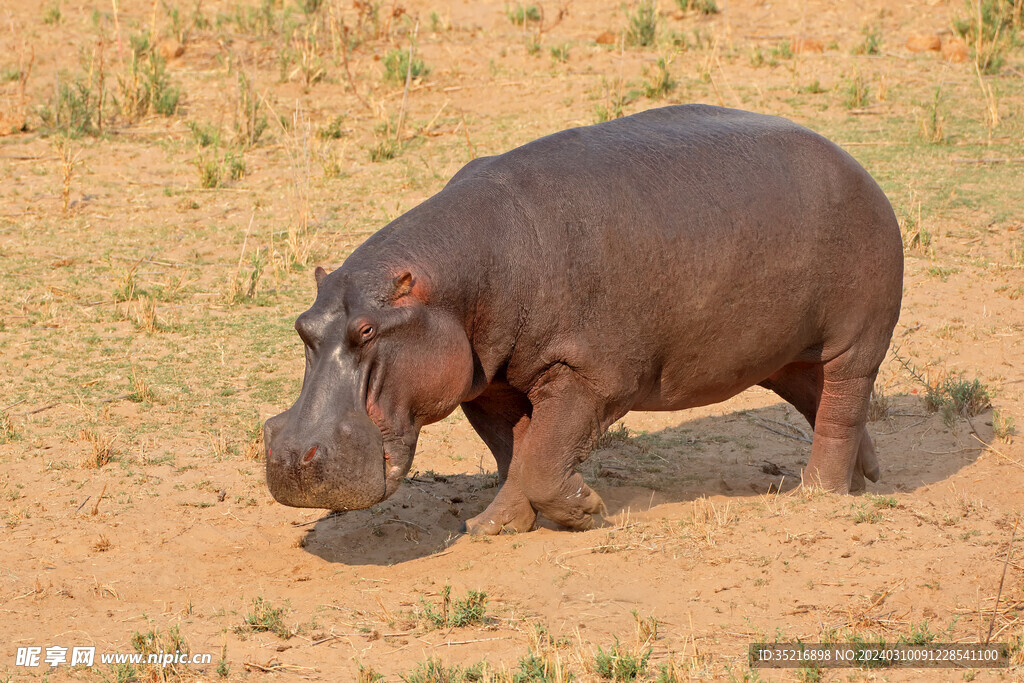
660,261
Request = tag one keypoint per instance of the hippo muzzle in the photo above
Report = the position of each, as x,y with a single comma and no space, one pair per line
338,466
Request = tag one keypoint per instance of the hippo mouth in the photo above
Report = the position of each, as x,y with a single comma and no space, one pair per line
396,455
393,476
397,459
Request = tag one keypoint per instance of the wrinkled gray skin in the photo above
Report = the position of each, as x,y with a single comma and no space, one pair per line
661,261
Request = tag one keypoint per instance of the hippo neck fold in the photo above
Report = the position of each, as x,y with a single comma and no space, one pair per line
453,245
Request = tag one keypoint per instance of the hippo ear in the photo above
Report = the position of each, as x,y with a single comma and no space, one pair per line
405,285
319,274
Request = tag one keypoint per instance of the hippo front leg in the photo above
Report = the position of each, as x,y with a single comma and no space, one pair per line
501,418
542,475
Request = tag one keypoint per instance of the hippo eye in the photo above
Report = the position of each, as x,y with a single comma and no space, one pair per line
366,332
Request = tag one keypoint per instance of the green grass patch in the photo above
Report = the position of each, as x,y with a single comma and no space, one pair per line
620,664
520,14
658,82
397,65
882,501
699,6
265,618
862,515
871,43
643,24
466,611
434,671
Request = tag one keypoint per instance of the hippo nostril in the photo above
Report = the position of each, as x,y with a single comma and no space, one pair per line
309,455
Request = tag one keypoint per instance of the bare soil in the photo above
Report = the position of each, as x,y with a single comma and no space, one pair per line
145,330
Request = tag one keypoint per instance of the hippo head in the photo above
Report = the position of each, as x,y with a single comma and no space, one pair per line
381,362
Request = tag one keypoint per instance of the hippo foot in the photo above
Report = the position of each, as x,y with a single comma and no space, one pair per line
576,511
503,517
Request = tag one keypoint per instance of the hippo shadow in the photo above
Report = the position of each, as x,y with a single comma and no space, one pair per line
740,454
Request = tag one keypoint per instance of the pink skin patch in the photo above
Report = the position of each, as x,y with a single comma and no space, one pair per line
309,455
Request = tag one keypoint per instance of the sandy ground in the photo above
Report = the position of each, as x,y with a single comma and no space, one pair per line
145,330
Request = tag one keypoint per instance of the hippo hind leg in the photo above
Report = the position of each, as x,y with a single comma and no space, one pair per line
801,385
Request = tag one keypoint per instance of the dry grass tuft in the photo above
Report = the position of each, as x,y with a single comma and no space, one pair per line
880,405
219,445
707,519
68,163
252,448
101,449
140,389
124,291
543,660
617,434
1003,426
145,315
8,432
